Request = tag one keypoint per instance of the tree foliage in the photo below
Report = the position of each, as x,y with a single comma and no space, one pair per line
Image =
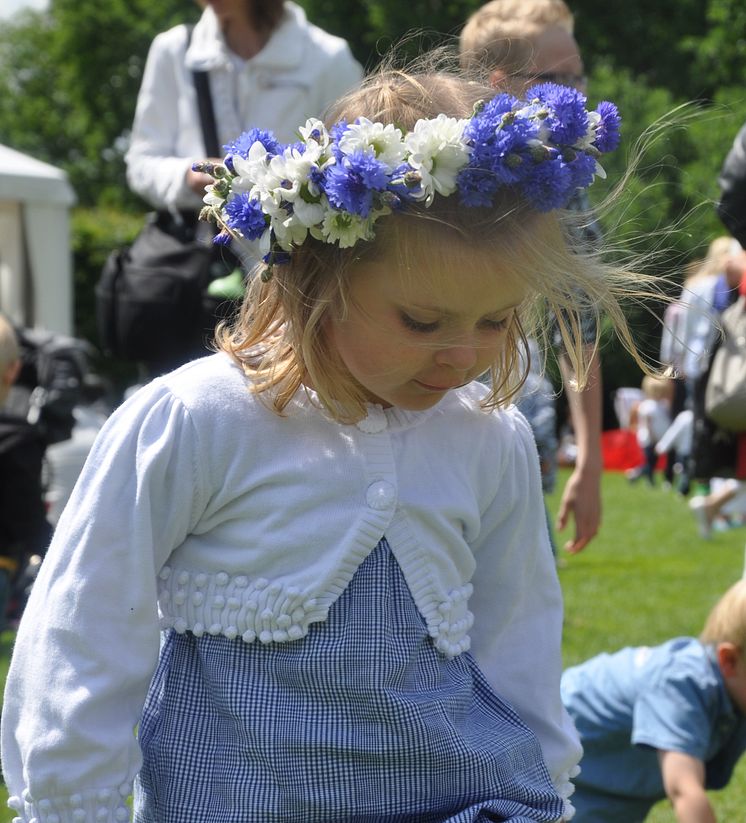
68,83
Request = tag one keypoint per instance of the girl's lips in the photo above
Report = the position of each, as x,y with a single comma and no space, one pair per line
432,388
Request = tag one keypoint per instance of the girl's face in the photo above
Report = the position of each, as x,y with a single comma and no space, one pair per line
408,337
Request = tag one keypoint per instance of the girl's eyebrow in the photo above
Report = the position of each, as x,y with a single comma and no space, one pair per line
447,312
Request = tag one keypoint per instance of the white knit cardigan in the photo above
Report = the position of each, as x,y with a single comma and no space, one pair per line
202,510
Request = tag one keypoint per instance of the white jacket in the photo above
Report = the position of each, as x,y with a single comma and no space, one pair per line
296,75
201,506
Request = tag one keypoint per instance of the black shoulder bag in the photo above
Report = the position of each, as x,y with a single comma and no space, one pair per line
150,298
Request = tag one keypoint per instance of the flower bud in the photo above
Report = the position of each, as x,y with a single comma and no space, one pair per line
539,153
507,119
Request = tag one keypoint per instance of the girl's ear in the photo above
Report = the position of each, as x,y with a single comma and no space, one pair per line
728,655
498,78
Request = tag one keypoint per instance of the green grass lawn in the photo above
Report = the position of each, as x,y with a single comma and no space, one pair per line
646,577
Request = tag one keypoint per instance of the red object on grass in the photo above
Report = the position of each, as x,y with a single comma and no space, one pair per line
620,450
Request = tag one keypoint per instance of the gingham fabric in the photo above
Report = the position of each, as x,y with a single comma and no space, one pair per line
362,720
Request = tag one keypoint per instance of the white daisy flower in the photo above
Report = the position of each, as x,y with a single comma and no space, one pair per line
585,142
211,198
345,229
314,132
438,153
289,231
309,214
385,143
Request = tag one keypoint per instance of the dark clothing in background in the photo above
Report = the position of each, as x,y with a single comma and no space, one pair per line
23,525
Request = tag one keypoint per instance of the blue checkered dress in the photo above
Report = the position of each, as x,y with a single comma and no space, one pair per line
362,720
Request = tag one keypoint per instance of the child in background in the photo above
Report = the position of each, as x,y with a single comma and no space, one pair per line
24,530
652,419
661,721
337,528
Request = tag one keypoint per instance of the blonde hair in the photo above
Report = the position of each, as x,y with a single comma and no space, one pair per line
500,33
9,349
656,388
279,335
718,253
726,623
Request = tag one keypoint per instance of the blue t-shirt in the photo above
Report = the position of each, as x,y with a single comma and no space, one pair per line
629,704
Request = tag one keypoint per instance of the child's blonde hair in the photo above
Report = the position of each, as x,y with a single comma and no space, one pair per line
9,349
656,388
279,336
718,253
726,623
499,34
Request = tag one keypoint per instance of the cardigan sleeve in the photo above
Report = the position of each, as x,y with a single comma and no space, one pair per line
517,602
88,642
154,171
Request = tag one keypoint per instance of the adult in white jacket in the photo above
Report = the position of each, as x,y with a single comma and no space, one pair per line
268,68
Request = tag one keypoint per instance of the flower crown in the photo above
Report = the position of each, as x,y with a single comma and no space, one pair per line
334,184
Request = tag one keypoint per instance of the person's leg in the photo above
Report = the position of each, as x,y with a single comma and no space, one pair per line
706,507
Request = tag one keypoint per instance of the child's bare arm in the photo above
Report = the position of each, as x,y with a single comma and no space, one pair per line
684,782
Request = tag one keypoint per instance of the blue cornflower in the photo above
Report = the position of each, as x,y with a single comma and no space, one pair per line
222,238
404,183
244,142
583,169
549,184
607,131
568,120
498,139
335,135
476,187
352,182
276,256
245,215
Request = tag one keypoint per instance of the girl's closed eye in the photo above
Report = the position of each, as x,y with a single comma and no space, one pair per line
419,325
492,325
487,324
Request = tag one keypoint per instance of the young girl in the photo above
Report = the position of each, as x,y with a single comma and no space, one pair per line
337,529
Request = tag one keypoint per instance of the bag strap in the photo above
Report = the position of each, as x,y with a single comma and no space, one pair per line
204,104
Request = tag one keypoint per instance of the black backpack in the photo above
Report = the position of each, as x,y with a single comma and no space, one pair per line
51,381
152,304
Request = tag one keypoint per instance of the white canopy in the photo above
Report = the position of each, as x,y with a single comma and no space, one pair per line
36,283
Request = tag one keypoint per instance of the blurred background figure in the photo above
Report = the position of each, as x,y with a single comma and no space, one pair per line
24,530
537,401
268,68
259,64
690,322
650,420
516,43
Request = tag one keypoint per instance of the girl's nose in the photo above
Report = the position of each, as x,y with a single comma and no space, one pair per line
460,358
